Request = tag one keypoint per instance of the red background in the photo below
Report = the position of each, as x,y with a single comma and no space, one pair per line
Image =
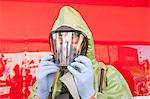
26,24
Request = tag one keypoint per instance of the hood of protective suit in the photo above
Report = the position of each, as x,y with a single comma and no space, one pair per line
71,18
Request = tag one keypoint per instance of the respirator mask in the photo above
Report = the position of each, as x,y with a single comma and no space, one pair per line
66,44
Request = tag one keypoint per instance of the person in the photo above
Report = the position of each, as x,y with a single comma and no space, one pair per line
87,73
16,84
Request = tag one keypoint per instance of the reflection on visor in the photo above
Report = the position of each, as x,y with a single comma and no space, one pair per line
67,45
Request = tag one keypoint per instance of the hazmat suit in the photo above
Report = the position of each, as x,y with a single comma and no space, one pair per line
114,85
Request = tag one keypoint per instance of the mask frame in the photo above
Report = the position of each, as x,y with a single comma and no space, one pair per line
53,46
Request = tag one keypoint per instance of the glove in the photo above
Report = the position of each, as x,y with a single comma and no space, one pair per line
82,70
45,76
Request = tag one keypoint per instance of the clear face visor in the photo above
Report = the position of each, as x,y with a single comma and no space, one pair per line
66,46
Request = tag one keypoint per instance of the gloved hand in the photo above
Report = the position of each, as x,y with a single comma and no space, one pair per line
82,70
45,76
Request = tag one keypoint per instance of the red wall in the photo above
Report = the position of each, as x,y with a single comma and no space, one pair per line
25,26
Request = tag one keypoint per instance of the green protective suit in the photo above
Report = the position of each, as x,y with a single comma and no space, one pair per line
114,85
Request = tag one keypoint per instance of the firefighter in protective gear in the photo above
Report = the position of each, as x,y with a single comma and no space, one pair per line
83,68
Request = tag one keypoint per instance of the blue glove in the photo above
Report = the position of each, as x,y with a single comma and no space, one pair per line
45,76
82,70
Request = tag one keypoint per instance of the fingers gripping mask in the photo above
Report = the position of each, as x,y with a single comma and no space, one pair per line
66,44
